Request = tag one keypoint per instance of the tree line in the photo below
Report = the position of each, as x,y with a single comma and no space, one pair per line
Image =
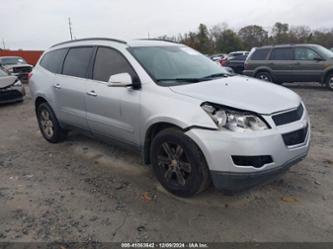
223,39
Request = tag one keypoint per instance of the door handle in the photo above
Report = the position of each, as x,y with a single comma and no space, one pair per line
92,93
57,86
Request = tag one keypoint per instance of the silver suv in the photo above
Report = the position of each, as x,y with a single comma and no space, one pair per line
194,122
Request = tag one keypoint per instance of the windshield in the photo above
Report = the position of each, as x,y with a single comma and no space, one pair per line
173,65
328,54
3,73
12,61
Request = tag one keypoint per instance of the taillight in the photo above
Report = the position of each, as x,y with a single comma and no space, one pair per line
223,62
29,75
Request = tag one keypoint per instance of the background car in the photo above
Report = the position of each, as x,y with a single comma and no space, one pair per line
291,63
217,57
11,88
235,60
16,66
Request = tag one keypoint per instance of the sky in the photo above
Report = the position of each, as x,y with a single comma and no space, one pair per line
37,24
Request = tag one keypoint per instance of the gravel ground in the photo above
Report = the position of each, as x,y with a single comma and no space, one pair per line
85,190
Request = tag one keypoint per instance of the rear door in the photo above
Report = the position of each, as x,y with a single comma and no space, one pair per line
70,87
281,61
308,66
112,111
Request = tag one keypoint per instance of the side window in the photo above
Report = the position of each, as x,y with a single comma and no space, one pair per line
53,60
77,62
260,54
305,54
282,54
108,62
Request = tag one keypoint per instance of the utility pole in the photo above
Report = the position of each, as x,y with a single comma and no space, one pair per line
70,27
3,44
148,36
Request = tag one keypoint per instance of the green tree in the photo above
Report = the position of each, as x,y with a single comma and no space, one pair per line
280,33
225,39
228,41
253,36
204,41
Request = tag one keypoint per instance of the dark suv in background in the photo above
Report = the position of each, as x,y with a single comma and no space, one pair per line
235,60
291,63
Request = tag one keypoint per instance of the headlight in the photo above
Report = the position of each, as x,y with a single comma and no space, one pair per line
10,70
234,120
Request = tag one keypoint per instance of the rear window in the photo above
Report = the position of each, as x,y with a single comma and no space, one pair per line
282,54
77,62
13,61
260,54
53,60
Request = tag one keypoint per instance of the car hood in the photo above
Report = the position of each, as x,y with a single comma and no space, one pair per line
7,81
242,93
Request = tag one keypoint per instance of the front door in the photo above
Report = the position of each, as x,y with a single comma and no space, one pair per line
112,111
308,65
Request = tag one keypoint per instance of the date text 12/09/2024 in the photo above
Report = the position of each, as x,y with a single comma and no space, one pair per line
164,245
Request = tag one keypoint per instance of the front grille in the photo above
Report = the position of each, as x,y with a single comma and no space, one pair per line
9,95
289,117
295,137
22,69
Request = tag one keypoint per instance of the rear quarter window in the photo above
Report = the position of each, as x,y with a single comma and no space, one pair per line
52,61
260,54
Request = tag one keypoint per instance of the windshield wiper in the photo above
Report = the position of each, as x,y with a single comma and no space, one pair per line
190,80
217,75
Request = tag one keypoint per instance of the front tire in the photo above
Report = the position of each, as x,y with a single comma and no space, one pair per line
329,82
265,76
49,125
178,163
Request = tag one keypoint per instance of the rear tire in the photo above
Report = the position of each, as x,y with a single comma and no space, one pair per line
178,163
265,76
49,125
329,82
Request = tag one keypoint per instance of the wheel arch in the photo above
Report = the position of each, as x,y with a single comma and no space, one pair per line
263,69
39,100
326,74
151,132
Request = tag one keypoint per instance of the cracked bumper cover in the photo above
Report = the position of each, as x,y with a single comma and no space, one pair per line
219,146
233,182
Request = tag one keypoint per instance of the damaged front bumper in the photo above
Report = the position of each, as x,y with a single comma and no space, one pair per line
238,161
12,94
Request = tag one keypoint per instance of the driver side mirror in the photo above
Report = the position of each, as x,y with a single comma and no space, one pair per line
120,80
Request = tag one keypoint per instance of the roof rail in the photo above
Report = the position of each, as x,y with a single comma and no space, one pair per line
90,39
157,39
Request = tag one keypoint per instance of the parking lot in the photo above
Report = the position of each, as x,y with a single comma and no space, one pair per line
83,190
